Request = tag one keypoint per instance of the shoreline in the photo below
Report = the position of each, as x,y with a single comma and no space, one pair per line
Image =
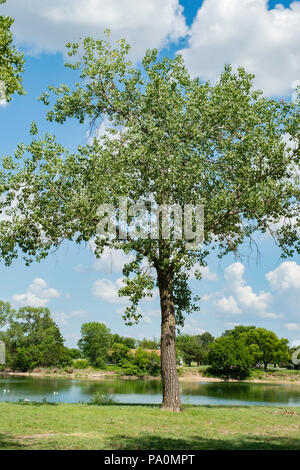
106,375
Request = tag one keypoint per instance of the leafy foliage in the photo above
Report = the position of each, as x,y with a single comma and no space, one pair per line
194,348
33,339
140,363
102,399
229,357
168,127
257,345
80,364
11,61
129,342
94,343
119,352
149,343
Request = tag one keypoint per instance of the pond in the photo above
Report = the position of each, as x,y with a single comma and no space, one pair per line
147,391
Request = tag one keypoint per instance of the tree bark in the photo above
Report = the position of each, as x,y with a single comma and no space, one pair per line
170,383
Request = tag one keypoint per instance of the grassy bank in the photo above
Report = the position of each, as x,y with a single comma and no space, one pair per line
63,426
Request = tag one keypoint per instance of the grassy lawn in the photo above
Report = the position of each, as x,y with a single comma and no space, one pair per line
77,426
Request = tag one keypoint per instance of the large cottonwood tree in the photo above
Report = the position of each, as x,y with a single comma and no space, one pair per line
172,140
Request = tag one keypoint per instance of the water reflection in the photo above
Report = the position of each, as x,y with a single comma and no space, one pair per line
146,391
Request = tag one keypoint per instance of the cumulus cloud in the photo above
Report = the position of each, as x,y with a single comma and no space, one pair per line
107,290
239,298
245,33
228,305
37,295
49,25
285,277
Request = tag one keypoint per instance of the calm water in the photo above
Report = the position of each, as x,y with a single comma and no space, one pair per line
139,391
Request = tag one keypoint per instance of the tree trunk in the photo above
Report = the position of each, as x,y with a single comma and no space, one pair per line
171,391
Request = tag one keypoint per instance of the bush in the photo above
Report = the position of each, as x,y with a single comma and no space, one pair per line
119,352
141,363
81,364
129,368
102,399
229,357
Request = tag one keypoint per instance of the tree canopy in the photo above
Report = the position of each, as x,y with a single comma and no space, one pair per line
262,346
11,61
33,339
194,348
94,343
172,140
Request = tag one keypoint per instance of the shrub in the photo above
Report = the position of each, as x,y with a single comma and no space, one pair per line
141,363
102,399
119,352
81,364
129,368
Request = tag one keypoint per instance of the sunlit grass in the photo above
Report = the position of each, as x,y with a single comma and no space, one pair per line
79,426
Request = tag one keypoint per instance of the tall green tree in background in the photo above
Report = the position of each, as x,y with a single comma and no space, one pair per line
94,343
263,345
266,347
33,339
173,140
11,61
190,348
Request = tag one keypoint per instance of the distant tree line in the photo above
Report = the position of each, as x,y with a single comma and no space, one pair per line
33,339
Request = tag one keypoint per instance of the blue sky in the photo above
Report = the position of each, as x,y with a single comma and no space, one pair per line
256,290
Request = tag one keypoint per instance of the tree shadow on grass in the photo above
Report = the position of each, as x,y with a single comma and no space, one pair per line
156,442
8,443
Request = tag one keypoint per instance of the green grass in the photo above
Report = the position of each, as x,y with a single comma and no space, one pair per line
79,426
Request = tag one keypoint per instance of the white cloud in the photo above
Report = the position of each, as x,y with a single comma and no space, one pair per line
239,298
107,290
48,25
244,295
78,313
285,277
192,327
37,295
228,305
65,319
245,33
3,103
292,326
